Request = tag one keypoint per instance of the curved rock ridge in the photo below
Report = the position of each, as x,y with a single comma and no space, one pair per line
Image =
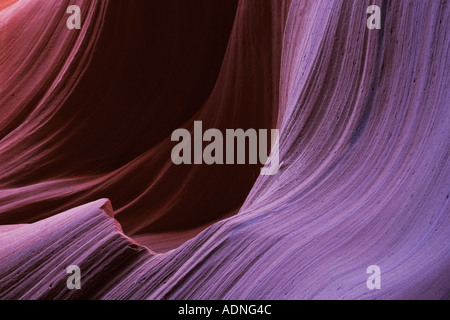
364,120
40,254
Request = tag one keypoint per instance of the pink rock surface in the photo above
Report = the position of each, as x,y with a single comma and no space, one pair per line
364,119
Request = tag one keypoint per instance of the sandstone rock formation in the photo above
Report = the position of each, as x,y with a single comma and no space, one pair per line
86,176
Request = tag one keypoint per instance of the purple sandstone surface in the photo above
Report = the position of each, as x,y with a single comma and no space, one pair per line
86,176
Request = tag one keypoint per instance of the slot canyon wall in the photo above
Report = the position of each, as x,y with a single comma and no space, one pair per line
86,176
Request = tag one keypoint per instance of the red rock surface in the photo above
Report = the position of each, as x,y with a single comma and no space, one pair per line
87,114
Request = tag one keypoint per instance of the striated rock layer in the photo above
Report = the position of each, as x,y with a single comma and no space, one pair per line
364,119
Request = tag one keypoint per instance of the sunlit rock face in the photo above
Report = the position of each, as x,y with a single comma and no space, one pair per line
86,176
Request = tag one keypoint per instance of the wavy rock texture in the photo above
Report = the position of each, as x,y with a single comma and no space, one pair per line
87,114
